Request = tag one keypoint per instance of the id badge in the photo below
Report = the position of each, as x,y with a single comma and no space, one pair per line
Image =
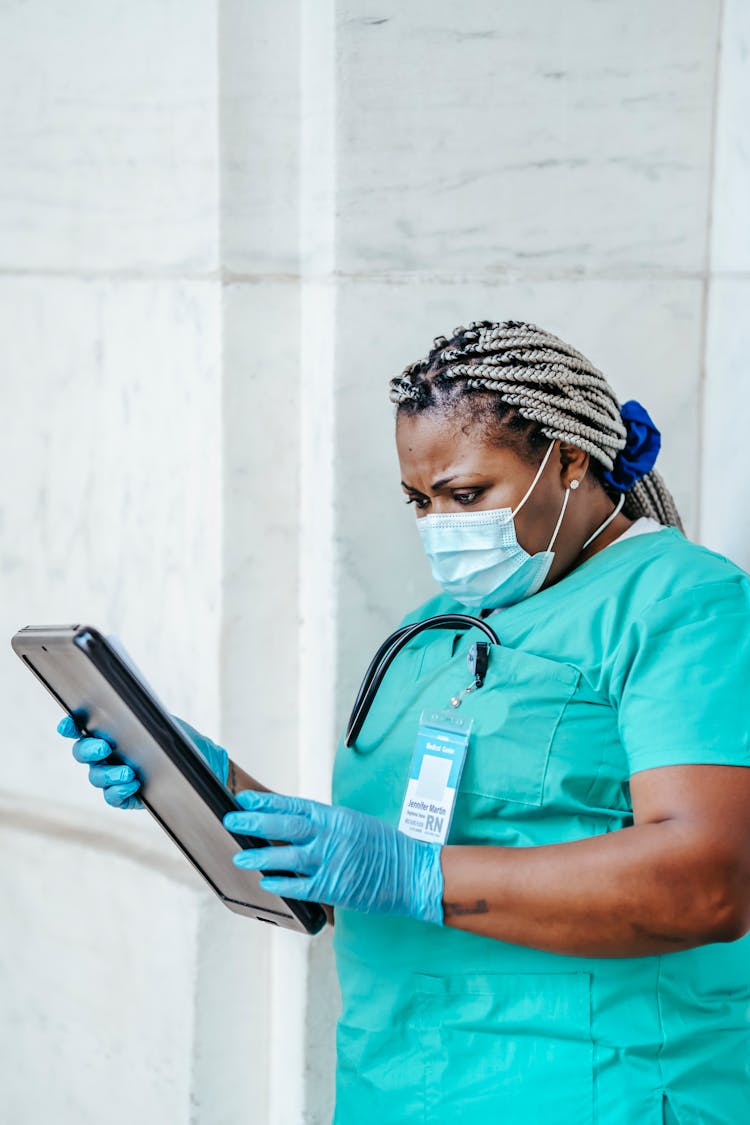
442,742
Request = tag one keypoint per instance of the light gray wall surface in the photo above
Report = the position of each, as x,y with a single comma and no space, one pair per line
224,225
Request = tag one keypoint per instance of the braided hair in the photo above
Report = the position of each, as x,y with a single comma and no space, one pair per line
541,389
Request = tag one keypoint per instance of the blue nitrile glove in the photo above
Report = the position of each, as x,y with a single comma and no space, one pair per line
119,781
346,858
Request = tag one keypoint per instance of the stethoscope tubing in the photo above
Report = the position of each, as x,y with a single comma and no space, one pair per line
389,650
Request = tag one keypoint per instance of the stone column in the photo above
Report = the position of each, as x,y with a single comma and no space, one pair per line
726,415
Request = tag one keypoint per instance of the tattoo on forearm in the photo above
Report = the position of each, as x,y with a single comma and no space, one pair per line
454,909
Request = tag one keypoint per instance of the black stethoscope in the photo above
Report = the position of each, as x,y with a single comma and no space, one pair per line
391,647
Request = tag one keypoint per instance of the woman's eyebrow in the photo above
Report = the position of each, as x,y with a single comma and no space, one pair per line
435,485
438,483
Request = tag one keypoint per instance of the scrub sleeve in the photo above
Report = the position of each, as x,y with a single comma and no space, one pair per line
685,662
639,658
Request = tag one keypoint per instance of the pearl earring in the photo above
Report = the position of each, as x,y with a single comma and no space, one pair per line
574,484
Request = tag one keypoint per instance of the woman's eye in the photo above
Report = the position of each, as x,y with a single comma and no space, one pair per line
466,497
420,501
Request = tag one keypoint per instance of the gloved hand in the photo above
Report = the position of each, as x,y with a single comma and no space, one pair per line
347,858
119,781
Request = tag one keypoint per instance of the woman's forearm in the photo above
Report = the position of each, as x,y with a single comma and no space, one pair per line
646,889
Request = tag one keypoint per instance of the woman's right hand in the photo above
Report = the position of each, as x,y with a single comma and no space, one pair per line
118,781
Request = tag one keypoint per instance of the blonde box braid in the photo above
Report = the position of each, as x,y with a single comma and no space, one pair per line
548,383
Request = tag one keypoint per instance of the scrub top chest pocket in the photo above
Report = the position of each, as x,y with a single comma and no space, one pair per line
516,714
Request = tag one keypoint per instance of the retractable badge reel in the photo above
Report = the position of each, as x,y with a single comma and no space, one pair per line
439,756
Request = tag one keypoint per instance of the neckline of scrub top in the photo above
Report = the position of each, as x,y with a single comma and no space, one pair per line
626,541
606,556
644,525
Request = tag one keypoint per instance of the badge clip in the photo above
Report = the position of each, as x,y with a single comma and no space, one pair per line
478,660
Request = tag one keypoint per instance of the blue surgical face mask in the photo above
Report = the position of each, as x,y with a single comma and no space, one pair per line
476,556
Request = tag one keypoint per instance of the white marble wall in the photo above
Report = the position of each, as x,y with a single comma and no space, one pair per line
542,137
111,511
224,225
109,141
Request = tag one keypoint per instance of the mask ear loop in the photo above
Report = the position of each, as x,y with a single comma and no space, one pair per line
574,484
532,486
566,497
606,523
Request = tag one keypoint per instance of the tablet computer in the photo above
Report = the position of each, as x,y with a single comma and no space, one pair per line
105,696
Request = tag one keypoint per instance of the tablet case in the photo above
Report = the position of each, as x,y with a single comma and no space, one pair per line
105,697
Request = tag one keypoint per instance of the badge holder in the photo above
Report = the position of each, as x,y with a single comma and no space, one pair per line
439,756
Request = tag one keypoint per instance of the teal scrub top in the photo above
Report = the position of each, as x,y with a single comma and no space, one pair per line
639,658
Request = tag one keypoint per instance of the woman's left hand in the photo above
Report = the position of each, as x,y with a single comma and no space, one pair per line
339,857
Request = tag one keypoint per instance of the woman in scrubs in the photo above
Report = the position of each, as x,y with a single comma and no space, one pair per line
570,949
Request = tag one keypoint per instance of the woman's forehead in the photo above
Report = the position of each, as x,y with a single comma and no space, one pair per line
431,444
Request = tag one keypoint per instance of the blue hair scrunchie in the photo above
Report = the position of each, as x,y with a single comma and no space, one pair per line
642,445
